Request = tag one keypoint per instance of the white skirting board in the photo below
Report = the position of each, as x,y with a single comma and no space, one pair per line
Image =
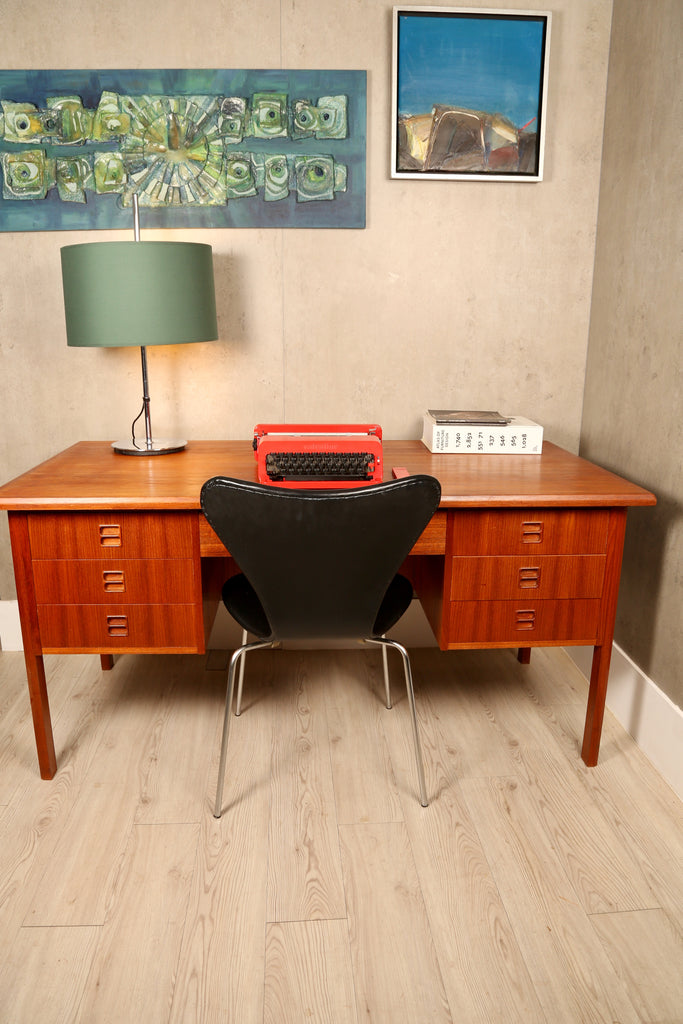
653,720
645,711
10,627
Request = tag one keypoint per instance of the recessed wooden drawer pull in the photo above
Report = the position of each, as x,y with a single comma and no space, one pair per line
532,533
110,535
525,618
529,578
117,625
114,581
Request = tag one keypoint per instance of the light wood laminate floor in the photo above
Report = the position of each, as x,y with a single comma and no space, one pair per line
532,889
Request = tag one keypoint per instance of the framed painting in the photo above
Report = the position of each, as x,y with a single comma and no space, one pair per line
199,147
469,93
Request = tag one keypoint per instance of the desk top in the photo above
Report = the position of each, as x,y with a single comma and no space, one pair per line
90,475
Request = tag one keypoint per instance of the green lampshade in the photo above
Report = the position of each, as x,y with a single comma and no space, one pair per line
138,293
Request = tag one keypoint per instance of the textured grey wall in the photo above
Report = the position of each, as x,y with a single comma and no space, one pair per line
633,412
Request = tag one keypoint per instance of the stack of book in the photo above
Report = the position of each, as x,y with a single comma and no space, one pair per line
480,433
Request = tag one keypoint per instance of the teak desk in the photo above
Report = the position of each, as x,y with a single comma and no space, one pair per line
112,554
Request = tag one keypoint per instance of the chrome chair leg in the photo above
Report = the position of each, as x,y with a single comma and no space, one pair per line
385,666
238,655
240,683
411,702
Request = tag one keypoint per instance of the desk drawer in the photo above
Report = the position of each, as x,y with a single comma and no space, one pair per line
130,627
107,581
210,545
432,541
111,535
539,531
504,577
515,623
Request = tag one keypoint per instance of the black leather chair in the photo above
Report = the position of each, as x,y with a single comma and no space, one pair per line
318,564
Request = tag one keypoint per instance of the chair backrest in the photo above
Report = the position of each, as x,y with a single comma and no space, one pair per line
320,561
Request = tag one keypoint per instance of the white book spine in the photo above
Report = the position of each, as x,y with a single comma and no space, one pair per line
518,437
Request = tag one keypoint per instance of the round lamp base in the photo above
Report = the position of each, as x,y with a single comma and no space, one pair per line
158,446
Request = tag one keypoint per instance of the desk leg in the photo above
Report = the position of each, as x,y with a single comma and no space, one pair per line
106,662
602,653
524,655
40,709
595,711
33,656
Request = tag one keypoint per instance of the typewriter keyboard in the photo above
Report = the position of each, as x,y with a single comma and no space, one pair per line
320,465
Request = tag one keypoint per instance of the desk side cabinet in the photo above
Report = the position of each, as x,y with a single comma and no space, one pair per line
117,581
525,577
514,577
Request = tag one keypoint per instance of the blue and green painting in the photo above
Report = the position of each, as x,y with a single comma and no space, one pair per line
469,92
199,148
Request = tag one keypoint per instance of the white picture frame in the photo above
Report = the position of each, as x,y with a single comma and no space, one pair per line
469,92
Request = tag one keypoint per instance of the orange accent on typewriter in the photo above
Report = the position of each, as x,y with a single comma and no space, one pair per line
322,455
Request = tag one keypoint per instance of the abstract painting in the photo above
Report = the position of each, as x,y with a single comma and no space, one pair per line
469,90
199,148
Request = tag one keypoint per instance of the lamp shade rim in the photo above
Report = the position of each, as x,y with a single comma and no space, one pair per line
129,243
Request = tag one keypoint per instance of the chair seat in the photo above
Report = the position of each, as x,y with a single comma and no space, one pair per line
394,603
239,597
242,602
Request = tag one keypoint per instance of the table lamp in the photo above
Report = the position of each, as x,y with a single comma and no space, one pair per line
139,293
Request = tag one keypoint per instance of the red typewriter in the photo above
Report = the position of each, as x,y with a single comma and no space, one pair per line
318,454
